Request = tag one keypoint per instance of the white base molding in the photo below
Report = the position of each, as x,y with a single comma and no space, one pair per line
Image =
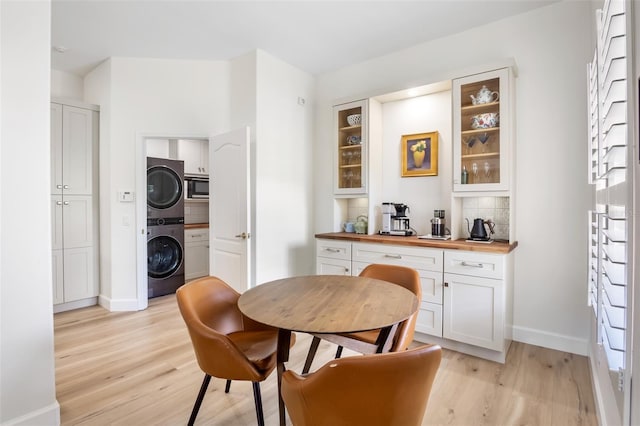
464,348
118,305
49,415
76,304
559,342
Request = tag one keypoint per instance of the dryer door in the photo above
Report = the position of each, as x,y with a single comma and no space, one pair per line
164,256
164,187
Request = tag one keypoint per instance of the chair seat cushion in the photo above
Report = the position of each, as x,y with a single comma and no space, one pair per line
364,336
259,346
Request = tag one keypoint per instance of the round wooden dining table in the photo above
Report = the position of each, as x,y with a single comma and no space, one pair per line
327,304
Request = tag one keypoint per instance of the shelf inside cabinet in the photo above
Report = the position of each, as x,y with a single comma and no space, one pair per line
480,107
350,147
350,128
478,131
347,166
481,155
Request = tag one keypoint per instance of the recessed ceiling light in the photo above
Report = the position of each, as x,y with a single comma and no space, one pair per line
60,49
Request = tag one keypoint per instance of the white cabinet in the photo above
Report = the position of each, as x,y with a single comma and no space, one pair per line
196,253
466,295
72,131
351,142
483,131
74,138
195,154
428,263
333,257
475,303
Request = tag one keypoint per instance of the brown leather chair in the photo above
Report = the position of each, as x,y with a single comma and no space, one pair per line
380,389
227,344
401,275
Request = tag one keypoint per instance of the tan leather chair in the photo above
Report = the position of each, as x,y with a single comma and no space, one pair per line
401,275
227,344
380,389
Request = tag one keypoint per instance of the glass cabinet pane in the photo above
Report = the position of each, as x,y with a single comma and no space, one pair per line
480,131
351,154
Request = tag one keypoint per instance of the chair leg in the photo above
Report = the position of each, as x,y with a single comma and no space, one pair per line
258,400
196,407
227,386
312,353
339,352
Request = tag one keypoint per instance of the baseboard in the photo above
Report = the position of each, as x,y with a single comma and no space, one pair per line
549,340
76,304
49,415
118,305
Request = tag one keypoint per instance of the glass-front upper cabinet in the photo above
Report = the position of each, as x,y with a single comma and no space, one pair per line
482,131
350,172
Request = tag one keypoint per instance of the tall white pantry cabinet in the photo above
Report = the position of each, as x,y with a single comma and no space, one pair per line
74,204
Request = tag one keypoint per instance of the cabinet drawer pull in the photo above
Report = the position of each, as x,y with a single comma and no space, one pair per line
196,235
332,250
473,265
393,256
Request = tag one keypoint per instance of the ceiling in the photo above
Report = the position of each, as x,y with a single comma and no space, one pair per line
315,36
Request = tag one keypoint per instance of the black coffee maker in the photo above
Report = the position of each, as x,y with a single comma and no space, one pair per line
400,221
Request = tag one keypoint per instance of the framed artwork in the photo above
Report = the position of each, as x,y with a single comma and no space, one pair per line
420,154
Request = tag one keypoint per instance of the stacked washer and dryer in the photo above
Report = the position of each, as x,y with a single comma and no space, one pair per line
165,225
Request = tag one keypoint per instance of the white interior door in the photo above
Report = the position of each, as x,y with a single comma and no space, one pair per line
229,208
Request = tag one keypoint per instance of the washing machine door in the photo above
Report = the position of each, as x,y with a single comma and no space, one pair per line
164,256
164,187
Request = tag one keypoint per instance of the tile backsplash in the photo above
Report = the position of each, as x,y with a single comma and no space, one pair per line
494,208
357,207
196,212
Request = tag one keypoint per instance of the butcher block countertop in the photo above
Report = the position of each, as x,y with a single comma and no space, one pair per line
499,247
196,225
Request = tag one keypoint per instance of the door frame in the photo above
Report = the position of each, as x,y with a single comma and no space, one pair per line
142,291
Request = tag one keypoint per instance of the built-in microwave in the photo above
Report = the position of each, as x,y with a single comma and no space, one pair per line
196,188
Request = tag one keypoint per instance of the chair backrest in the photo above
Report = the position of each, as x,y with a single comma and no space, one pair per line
380,389
209,307
407,278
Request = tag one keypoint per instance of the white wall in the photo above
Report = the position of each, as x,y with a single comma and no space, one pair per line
551,46
66,85
171,97
27,384
430,113
284,140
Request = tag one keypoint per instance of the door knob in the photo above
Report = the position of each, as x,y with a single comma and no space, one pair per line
244,235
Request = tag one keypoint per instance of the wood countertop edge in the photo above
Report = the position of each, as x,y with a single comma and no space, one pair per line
196,226
413,241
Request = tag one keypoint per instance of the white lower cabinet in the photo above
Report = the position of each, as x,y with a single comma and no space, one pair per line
333,257
73,253
465,294
196,253
475,307
428,263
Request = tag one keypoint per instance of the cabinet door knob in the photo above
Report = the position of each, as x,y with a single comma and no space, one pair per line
59,203
65,186
446,284
66,203
59,186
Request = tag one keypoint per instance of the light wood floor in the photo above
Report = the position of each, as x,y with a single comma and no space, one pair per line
138,368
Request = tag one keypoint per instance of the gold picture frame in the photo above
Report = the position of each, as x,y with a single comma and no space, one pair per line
420,154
